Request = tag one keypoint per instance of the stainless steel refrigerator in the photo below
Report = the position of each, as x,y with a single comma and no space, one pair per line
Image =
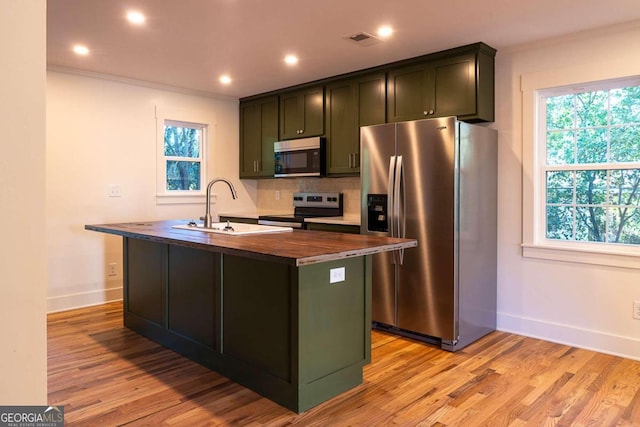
433,180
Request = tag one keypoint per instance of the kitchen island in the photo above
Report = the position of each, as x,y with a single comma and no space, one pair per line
286,314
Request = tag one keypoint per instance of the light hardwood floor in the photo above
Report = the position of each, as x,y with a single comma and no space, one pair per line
107,375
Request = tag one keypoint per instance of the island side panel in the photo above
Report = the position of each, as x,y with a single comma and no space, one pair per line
334,328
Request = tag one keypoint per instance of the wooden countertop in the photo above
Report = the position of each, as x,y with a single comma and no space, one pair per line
297,247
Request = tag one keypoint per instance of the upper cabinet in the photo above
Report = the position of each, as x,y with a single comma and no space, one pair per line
456,82
302,113
258,132
350,104
460,85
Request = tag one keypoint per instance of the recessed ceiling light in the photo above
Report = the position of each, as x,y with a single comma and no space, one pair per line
225,79
80,49
385,31
291,59
135,17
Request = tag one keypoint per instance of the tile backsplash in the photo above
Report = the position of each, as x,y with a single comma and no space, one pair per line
267,188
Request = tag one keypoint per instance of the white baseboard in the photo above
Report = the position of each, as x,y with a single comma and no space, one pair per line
85,299
602,342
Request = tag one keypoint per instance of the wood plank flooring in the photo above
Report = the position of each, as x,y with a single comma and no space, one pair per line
107,375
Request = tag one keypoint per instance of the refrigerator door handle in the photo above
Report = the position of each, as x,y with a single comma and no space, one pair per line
399,205
391,199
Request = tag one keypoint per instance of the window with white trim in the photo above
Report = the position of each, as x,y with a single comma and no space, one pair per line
183,139
588,142
183,161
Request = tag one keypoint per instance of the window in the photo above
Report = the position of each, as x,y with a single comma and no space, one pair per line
589,144
581,165
182,142
183,156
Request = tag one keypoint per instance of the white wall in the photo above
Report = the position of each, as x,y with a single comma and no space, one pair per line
102,132
23,358
584,305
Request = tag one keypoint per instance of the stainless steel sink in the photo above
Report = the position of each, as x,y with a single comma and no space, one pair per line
233,228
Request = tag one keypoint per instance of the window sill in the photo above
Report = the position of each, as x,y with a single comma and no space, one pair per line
180,199
610,258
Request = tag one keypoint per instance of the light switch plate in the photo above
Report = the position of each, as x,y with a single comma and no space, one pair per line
336,275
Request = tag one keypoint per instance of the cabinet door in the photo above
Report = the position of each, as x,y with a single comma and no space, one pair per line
144,293
192,305
342,128
372,101
258,132
407,93
249,139
438,88
302,113
453,83
351,104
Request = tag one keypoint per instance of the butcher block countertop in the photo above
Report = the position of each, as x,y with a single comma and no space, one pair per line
297,247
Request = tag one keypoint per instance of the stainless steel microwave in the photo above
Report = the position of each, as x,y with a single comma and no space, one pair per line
300,157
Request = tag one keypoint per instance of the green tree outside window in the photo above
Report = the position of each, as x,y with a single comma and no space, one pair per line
592,166
182,150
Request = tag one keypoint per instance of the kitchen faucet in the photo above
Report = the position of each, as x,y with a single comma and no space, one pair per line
207,215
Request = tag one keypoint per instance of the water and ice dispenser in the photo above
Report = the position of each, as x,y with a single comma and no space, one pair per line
377,219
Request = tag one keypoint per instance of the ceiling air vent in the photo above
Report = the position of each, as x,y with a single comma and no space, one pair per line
364,39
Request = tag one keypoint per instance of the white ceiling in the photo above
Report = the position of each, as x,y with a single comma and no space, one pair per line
190,43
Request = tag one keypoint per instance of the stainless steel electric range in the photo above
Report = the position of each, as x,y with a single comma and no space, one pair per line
307,205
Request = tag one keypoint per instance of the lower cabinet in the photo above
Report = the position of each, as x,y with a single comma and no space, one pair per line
143,265
191,294
338,228
238,219
288,332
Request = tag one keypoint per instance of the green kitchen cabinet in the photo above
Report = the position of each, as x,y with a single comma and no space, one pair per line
336,228
191,295
239,219
144,280
350,104
302,113
258,132
460,85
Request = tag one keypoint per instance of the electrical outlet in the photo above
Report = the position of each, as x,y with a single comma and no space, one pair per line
336,275
277,194
111,269
636,310
115,191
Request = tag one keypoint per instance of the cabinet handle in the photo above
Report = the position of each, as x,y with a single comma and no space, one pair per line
300,131
428,113
353,161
